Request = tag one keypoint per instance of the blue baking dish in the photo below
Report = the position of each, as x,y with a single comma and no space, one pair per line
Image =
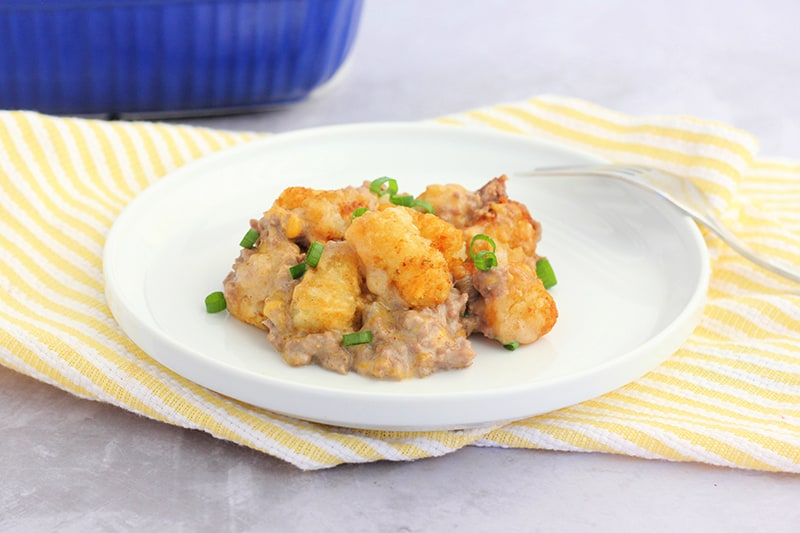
119,57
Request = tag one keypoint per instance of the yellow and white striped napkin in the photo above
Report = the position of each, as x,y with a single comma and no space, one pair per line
730,396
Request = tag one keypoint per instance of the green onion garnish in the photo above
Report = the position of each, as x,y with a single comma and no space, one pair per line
427,207
511,346
215,302
298,270
249,239
312,259
313,254
405,200
481,237
358,212
377,186
388,186
359,337
544,271
485,259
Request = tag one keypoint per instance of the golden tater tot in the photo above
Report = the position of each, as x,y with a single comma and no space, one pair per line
510,225
328,295
446,238
515,306
324,215
395,254
293,197
453,203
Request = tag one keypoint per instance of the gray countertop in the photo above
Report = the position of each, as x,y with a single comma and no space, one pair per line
74,465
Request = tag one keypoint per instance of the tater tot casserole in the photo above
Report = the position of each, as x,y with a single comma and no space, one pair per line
389,285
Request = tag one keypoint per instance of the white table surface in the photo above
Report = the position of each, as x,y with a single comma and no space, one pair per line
72,465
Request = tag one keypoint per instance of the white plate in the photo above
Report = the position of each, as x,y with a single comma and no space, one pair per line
632,271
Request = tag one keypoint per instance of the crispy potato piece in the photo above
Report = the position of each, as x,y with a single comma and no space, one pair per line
511,227
515,305
395,254
446,238
317,215
328,295
488,211
453,203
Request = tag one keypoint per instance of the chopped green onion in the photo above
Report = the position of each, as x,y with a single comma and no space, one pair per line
427,206
386,185
377,186
485,259
215,302
544,271
358,212
298,270
249,239
313,254
481,237
359,337
511,346
405,200
312,259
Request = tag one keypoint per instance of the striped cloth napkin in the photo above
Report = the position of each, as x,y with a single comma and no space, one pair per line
730,396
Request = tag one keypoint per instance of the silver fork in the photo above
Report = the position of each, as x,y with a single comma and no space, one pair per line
681,193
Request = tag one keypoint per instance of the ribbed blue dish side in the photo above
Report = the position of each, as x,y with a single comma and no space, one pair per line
98,35
126,57
178,59
119,84
234,86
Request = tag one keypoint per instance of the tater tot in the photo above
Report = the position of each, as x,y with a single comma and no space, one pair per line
323,215
515,306
510,225
327,297
452,203
446,238
395,253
